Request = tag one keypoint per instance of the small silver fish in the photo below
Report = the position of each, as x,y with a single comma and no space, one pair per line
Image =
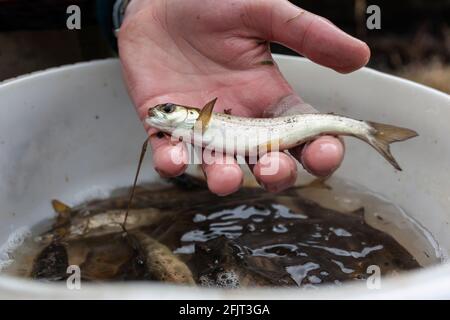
77,226
253,136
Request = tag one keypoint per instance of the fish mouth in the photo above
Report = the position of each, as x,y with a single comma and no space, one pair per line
154,115
151,112
156,120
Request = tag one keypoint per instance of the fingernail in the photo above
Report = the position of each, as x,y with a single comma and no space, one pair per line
282,184
162,174
302,157
223,179
317,171
325,174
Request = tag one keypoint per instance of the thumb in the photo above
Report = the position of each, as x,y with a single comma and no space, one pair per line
308,34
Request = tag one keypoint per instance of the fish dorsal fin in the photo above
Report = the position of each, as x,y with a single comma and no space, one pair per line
205,115
60,207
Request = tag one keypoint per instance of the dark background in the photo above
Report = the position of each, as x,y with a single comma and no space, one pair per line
414,41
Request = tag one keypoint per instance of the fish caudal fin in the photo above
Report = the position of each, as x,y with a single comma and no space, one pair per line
386,134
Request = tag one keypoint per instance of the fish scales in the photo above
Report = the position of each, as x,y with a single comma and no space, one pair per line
245,136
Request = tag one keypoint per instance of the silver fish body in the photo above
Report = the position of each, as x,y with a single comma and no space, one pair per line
244,136
247,136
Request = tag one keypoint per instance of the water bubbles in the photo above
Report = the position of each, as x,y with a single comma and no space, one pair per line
228,280
15,240
279,228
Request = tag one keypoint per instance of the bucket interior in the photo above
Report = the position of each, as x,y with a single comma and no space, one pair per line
72,134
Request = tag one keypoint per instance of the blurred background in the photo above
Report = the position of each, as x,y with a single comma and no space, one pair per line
413,42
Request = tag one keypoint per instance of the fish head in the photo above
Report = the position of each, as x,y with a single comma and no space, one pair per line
169,117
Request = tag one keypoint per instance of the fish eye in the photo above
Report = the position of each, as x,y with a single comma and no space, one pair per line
168,107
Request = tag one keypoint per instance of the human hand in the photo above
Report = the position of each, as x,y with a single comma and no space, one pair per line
187,52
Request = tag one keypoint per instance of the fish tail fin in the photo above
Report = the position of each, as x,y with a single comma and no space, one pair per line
386,134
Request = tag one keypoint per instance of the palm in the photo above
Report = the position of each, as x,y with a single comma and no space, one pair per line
186,63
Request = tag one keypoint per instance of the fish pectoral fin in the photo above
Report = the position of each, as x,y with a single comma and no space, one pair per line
205,115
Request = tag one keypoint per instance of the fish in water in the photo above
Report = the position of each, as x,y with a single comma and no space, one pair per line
162,264
72,226
254,136
248,239
221,263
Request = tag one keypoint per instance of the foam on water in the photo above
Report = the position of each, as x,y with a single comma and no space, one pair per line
15,240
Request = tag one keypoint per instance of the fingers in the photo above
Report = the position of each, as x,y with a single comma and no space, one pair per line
311,35
223,174
170,158
275,171
322,156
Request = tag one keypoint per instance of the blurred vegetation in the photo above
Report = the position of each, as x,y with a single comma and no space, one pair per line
413,42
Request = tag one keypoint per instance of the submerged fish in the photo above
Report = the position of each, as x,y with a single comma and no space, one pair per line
253,136
162,264
248,239
98,224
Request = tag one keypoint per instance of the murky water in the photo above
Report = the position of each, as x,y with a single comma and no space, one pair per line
184,234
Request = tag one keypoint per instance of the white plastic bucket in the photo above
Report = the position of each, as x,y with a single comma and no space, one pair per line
72,133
